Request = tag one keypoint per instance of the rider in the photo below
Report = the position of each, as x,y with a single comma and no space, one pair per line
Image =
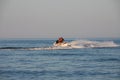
60,40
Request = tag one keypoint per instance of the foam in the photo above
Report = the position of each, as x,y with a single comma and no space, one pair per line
81,44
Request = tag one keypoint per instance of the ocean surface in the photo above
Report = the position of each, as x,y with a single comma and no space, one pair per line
38,59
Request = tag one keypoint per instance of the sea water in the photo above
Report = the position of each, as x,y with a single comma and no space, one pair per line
38,59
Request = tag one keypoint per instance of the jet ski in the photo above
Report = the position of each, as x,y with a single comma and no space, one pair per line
60,43
64,44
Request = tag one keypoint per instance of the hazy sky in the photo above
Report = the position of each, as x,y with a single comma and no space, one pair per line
54,18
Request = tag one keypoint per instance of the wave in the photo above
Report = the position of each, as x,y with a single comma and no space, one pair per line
71,45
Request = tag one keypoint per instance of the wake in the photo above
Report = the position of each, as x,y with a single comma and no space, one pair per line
92,44
77,44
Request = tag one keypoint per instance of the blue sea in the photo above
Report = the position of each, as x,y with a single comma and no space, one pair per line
38,59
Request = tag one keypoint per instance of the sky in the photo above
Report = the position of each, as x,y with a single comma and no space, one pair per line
55,18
